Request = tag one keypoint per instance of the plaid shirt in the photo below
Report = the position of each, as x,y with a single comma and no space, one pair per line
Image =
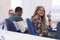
38,25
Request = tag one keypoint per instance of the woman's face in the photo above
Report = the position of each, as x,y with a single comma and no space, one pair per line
40,11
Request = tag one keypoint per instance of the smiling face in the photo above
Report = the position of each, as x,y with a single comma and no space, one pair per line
11,12
40,11
20,12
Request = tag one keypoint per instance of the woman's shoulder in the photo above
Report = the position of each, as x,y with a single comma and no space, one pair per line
35,16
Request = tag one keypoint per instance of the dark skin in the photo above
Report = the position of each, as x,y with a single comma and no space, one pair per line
19,13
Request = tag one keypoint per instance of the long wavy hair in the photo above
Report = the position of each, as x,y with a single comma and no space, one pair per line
43,17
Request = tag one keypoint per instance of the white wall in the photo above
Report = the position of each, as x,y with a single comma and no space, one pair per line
4,7
29,6
15,3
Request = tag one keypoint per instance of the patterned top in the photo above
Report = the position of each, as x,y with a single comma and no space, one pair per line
16,18
38,25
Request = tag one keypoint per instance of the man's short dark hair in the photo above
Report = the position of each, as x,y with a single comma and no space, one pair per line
18,9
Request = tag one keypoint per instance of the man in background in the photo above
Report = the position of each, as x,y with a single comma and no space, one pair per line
10,12
3,22
18,14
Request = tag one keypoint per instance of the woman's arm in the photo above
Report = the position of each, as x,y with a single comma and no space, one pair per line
49,21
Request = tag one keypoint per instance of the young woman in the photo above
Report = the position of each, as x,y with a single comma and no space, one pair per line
39,21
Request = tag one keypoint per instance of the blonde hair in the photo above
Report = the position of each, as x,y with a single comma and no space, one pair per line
43,17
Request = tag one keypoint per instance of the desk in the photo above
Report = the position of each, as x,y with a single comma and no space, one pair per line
7,35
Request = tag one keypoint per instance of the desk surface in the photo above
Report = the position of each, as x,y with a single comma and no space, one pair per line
7,35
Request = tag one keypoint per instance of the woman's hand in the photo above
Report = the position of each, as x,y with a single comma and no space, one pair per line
49,16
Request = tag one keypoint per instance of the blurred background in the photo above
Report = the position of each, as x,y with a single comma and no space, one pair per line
29,7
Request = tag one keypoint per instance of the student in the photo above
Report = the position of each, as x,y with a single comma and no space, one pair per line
10,12
18,14
17,17
39,21
3,22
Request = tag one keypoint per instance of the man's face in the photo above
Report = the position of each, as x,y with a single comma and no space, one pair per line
11,13
19,13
